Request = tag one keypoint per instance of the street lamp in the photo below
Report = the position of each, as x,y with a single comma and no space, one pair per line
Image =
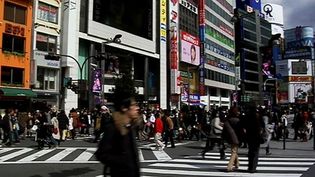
53,56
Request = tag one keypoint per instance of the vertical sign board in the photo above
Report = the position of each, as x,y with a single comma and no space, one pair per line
163,21
173,15
202,87
163,54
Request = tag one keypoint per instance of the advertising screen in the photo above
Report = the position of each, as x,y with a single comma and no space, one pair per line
130,16
268,68
97,80
190,49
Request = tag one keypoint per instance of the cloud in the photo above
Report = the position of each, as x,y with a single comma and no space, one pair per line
298,13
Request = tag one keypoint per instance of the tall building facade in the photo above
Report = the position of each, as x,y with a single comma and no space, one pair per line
141,48
218,52
15,53
252,34
297,67
45,75
188,53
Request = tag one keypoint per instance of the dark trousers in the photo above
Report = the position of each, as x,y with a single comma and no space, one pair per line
169,135
253,153
7,136
210,143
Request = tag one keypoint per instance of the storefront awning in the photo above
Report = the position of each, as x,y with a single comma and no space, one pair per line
17,92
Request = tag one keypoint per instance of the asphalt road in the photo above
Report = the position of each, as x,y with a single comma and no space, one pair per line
75,159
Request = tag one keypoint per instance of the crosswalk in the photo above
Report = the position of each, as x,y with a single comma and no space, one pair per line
65,155
161,163
213,166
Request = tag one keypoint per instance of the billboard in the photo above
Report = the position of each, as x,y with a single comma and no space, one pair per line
190,49
173,26
299,37
268,67
97,80
273,13
256,4
301,53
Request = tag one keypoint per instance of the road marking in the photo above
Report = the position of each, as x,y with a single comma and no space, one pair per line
5,150
59,156
202,166
141,158
207,173
15,154
85,155
35,155
260,162
160,155
216,156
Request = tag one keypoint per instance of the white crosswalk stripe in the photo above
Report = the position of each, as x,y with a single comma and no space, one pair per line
68,155
213,166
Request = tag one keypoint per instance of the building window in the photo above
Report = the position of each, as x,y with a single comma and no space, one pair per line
12,76
46,42
46,78
14,13
13,44
47,13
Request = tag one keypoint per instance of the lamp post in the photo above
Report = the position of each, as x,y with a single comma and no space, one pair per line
116,40
53,56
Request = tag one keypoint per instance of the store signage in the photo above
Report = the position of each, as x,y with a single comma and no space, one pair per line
302,53
189,6
300,79
13,29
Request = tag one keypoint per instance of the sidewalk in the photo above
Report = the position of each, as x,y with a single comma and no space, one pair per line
293,148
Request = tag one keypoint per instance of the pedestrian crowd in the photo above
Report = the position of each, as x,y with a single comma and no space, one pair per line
245,127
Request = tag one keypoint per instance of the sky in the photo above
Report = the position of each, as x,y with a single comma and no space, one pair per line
298,13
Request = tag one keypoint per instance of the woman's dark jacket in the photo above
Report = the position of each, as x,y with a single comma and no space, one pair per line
254,126
118,151
232,130
63,121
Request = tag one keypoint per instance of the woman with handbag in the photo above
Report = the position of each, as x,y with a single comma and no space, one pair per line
215,135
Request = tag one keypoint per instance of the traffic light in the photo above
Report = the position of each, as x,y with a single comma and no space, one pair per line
67,82
241,85
100,57
75,88
52,57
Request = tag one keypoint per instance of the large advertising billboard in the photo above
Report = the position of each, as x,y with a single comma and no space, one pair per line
190,49
173,25
273,13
